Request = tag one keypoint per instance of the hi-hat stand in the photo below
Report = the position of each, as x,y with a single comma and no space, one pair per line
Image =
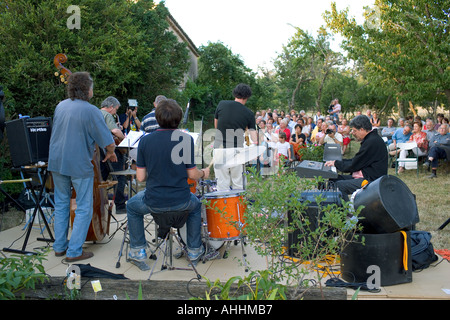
37,208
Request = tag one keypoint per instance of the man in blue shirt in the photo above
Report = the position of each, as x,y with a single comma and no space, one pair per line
149,123
401,135
165,160
77,127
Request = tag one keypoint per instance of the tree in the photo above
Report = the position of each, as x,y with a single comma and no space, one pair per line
305,59
404,45
220,70
123,44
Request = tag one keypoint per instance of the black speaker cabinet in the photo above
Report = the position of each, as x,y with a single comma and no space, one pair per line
29,140
389,206
387,254
314,216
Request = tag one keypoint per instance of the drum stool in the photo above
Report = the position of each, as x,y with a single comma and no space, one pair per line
168,223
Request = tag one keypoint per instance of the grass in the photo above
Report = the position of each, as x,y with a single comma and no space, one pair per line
432,198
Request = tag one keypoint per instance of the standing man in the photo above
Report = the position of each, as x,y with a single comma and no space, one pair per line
369,163
232,118
77,127
149,123
109,108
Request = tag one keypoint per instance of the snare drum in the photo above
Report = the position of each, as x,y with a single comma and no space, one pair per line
225,214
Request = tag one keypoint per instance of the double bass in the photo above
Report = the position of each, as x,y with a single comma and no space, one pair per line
101,216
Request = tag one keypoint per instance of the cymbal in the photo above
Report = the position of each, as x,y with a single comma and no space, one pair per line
230,157
124,172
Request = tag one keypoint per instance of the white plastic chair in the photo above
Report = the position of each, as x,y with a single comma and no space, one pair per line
413,160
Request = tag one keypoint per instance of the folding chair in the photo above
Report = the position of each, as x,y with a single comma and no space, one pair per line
408,146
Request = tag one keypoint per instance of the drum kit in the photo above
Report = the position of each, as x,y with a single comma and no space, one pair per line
223,211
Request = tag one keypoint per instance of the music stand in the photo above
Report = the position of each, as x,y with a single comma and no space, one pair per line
37,208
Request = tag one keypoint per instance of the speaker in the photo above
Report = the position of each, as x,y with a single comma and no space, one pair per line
313,215
29,140
389,206
387,254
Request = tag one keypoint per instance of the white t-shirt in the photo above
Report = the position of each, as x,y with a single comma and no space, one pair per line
283,148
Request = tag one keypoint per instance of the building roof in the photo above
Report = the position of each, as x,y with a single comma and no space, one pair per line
180,32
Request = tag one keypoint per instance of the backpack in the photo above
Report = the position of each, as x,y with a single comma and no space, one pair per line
422,251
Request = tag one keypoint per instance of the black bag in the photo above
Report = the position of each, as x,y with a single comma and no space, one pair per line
422,251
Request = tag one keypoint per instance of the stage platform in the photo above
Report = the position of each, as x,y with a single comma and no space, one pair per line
430,284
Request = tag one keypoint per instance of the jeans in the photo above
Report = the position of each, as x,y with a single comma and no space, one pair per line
136,209
83,214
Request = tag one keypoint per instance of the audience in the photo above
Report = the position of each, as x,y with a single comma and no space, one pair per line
432,135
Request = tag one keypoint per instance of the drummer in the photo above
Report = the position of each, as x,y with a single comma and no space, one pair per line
232,118
166,173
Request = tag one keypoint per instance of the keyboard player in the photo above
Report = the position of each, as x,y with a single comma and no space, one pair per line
369,163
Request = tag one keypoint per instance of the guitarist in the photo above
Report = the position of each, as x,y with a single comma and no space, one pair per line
109,108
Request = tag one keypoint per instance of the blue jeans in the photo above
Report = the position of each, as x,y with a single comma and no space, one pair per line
136,209
83,214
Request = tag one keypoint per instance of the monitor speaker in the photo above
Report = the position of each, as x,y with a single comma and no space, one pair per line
29,140
389,206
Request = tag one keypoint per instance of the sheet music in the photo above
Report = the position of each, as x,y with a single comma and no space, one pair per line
132,139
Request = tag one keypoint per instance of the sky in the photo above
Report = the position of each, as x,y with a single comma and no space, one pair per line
255,29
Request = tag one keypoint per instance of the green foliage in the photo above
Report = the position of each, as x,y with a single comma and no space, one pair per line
258,285
123,44
219,72
273,201
403,45
312,153
20,272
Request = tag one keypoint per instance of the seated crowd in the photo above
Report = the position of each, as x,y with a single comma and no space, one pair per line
278,129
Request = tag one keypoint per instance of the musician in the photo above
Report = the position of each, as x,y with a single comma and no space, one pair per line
232,118
77,127
109,108
165,173
369,163
149,123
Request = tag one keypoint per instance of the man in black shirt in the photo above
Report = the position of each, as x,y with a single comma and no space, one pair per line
369,163
232,118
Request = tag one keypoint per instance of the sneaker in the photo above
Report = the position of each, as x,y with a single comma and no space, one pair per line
431,176
138,257
137,254
196,254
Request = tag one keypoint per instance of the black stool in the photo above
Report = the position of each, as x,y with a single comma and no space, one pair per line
168,224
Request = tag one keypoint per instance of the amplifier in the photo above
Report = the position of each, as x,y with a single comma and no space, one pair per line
314,216
29,140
